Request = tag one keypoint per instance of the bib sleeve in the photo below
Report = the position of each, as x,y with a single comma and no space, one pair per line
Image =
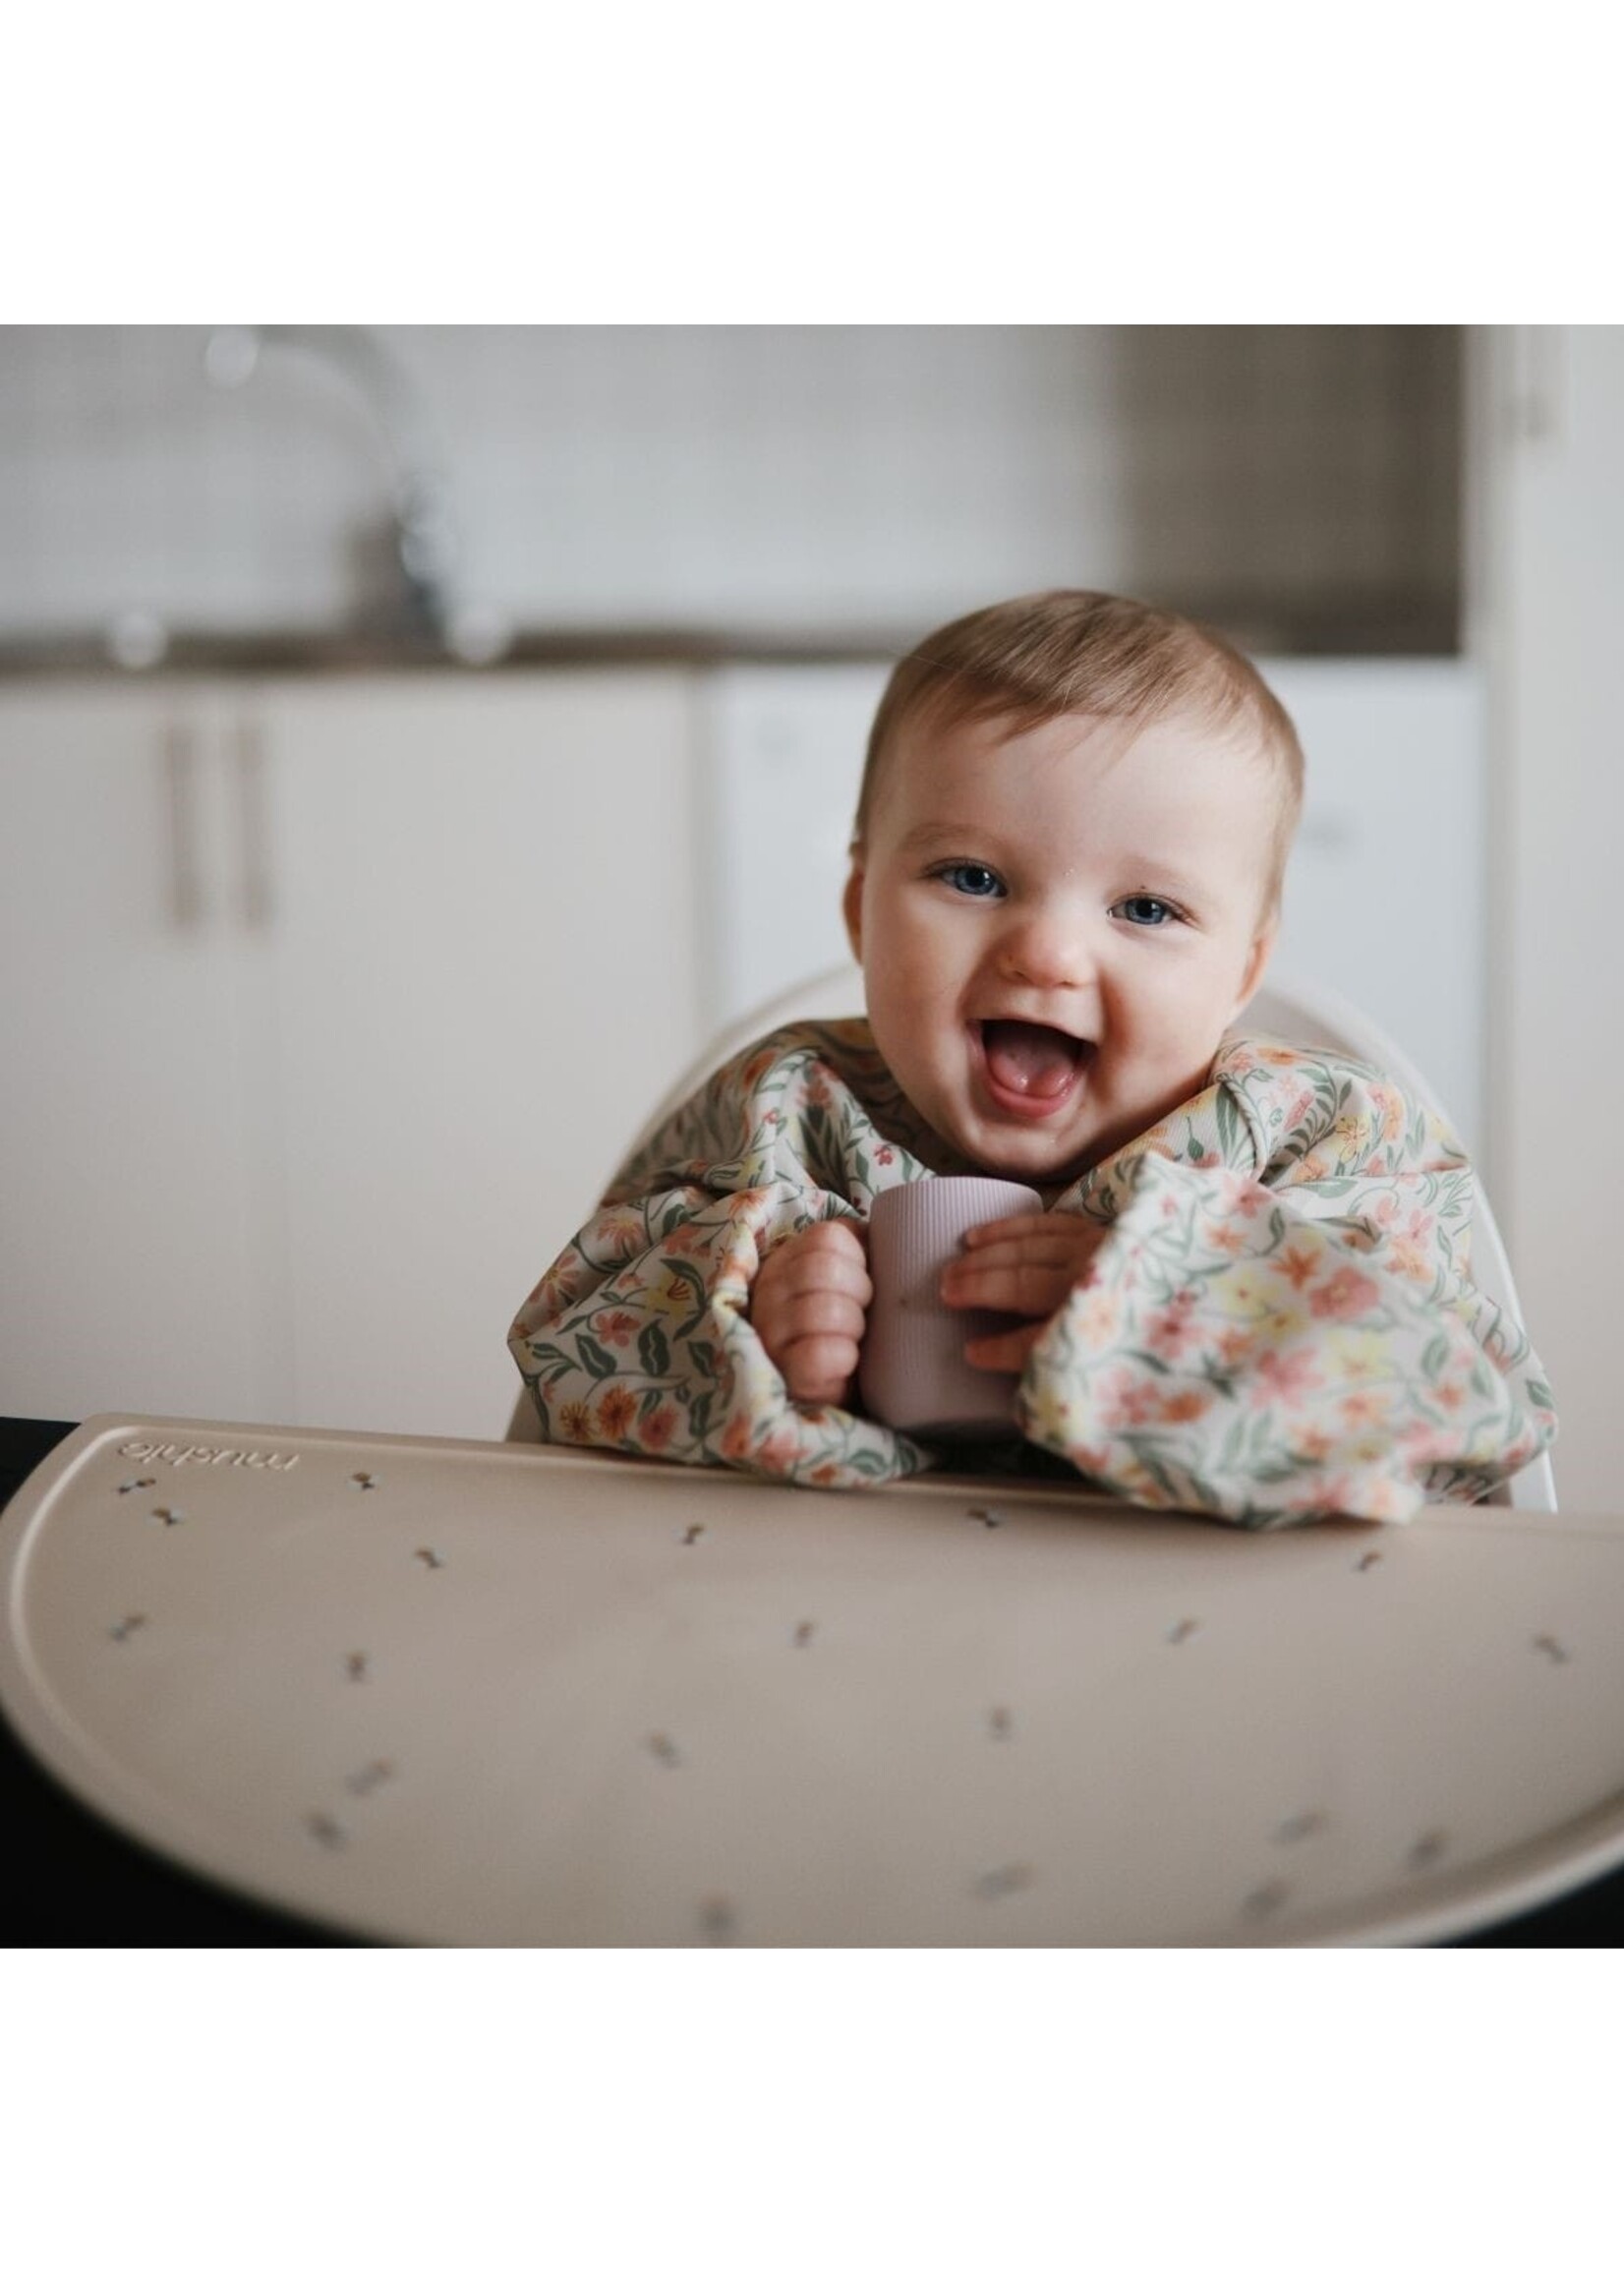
1281,1323
639,1336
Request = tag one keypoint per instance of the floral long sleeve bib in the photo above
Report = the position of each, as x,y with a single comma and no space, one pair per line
1279,1324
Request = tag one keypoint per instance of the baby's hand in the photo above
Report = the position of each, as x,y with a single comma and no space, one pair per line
1027,1264
808,1305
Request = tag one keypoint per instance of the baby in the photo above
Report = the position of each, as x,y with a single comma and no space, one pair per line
1248,1293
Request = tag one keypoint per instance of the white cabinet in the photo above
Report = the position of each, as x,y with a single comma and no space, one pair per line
132,1258
326,1008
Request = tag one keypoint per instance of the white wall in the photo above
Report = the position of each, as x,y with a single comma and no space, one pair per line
1548,618
797,478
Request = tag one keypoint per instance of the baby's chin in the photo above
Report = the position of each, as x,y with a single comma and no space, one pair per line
1020,1156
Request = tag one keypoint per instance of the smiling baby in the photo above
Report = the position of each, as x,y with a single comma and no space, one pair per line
1248,1291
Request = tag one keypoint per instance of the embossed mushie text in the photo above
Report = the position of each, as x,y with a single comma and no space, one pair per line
206,1456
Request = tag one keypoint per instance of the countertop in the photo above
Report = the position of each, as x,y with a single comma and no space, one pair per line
1354,628
273,655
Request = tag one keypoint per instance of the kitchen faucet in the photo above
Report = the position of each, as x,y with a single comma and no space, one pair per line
425,543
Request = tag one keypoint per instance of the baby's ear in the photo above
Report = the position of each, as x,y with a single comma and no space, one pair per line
1258,962
851,906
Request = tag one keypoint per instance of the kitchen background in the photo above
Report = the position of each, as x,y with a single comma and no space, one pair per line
414,742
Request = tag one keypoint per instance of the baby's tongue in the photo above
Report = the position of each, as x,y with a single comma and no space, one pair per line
1037,1061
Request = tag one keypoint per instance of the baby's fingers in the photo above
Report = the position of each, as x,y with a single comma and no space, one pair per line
1024,1264
1004,1352
992,1283
1055,1233
818,1370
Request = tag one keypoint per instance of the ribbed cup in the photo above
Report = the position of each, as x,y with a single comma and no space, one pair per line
913,1373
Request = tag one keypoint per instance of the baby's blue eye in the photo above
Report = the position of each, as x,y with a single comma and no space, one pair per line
972,878
1142,908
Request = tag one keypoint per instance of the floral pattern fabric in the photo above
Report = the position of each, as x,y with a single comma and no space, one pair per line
1279,1324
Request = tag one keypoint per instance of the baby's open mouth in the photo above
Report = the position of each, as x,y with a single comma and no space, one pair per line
1030,1060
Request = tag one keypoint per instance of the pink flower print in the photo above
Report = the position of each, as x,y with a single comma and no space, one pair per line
1347,1294
618,1233
1410,1256
1361,1409
1296,1266
614,1326
885,1155
1284,1379
558,1286
657,1432
735,1437
1424,1442
1245,1197
616,1411
1173,1328
778,1452
1299,1108
1235,1346
1184,1405
1391,1107
1128,1402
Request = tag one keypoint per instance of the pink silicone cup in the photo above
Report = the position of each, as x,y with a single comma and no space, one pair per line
913,1373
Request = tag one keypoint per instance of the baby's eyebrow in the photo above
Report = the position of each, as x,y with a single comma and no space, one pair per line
925,834
1156,877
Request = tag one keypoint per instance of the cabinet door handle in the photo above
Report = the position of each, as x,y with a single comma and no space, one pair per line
180,766
257,899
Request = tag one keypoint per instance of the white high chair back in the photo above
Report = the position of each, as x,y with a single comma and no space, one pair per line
1284,1009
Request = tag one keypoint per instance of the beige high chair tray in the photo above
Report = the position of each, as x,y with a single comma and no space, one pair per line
428,1691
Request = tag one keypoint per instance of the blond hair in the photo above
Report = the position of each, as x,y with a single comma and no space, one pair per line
1050,653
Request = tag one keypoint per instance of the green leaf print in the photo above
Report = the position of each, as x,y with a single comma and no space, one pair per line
1232,1130
597,1361
653,1349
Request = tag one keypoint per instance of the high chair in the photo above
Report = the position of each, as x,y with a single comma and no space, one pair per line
440,1691
1290,1010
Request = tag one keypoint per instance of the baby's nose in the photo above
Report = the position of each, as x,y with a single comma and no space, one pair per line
1044,951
